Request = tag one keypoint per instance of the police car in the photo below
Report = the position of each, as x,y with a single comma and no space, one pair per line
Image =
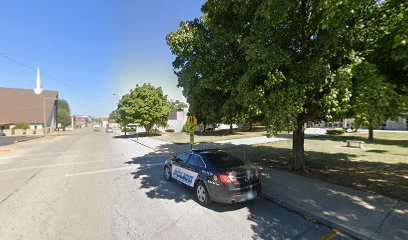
215,176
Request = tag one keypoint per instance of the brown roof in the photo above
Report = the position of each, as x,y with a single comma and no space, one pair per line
22,105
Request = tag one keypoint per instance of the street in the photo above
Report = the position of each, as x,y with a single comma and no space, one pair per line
92,185
7,140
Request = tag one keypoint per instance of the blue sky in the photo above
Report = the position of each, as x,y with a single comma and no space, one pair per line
88,50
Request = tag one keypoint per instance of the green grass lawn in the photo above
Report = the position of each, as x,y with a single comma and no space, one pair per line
211,136
381,167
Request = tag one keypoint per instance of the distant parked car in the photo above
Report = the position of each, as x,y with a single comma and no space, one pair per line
2,134
109,130
97,127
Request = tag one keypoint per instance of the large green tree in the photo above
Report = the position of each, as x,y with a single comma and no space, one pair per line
145,105
64,113
63,104
64,117
381,79
383,39
374,99
287,61
194,66
201,61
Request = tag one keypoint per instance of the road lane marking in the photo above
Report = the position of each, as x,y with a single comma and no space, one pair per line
57,165
46,158
134,166
40,159
37,154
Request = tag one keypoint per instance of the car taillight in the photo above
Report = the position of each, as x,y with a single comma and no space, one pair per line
228,178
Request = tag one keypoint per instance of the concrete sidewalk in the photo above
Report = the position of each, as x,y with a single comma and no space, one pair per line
175,148
360,214
250,141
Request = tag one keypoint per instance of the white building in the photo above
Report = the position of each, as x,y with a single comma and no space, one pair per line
400,124
177,120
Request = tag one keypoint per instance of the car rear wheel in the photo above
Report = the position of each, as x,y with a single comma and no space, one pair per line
202,194
167,173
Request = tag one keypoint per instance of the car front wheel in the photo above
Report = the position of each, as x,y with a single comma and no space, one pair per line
202,194
167,173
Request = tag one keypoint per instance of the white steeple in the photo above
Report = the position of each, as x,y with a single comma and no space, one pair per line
38,89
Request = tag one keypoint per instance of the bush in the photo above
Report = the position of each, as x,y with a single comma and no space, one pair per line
169,130
184,129
22,125
335,131
154,130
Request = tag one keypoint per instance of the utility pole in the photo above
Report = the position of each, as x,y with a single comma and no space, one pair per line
45,120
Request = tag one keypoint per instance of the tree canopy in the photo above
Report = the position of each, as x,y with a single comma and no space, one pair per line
144,105
286,62
375,99
63,104
64,113
176,105
64,117
380,78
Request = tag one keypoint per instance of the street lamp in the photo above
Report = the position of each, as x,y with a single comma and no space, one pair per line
117,97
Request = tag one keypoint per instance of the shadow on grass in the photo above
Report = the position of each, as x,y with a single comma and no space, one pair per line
383,178
377,151
227,132
343,138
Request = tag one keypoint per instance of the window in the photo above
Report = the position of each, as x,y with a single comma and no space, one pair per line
184,157
222,160
195,160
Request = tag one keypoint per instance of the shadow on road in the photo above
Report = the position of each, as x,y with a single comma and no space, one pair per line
268,221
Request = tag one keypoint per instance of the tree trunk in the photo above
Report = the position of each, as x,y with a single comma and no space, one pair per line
231,128
125,130
370,133
298,148
250,126
205,125
148,127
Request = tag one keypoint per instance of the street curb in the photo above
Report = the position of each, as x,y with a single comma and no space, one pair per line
341,228
314,217
25,140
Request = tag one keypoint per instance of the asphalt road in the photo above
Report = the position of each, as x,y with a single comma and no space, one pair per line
7,140
90,185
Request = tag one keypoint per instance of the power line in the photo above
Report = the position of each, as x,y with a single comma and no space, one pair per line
16,61
50,77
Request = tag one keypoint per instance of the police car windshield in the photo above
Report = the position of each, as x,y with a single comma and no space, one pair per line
222,160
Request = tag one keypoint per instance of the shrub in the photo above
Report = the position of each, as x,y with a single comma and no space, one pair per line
154,130
335,131
22,125
169,130
184,129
